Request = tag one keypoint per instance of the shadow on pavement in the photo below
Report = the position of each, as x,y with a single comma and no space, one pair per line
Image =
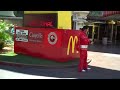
20,59
94,73
114,49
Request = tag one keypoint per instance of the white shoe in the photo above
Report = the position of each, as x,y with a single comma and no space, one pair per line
83,71
88,68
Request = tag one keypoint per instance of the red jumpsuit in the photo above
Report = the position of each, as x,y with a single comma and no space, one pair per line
82,46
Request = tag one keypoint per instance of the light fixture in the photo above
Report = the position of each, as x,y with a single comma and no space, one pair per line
118,22
111,22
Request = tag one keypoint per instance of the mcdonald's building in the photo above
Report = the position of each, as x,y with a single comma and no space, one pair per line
54,19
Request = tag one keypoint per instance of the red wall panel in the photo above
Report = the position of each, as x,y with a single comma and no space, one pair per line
51,44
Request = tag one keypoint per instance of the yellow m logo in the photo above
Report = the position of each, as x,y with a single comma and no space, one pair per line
73,40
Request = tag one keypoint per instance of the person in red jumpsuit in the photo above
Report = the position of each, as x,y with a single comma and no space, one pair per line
82,47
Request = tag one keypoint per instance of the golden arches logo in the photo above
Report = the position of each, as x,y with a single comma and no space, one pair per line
73,40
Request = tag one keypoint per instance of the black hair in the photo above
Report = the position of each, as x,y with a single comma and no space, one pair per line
82,29
85,27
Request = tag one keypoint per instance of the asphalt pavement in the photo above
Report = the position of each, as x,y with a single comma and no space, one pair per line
105,65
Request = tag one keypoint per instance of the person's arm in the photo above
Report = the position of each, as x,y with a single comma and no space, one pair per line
91,41
78,44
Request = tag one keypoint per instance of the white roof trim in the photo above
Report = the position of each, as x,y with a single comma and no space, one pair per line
11,17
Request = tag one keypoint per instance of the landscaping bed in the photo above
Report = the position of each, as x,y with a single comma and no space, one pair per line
8,56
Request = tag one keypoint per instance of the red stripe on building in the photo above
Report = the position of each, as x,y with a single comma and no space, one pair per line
108,13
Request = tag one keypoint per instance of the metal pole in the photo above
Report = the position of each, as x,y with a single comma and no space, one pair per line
93,33
112,33
115,34
98,32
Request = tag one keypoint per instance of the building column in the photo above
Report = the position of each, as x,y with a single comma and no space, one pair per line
112,28
74,25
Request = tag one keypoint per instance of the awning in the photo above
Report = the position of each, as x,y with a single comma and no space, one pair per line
109,13
104,15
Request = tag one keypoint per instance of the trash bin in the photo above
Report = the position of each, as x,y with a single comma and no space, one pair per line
104,40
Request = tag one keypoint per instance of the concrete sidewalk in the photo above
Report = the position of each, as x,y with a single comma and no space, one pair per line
105,56
105,60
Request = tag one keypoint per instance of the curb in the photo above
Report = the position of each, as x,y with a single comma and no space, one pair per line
38,66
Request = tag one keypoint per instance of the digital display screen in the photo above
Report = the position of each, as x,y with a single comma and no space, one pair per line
41,20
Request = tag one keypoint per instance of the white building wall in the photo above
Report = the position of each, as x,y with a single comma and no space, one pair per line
9,17
80,18
7,13
79,25
18,22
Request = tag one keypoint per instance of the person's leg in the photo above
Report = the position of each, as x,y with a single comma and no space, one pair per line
81,62
85,65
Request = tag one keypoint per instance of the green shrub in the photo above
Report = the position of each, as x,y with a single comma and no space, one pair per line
5,35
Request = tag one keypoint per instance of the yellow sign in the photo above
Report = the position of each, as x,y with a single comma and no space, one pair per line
73,40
